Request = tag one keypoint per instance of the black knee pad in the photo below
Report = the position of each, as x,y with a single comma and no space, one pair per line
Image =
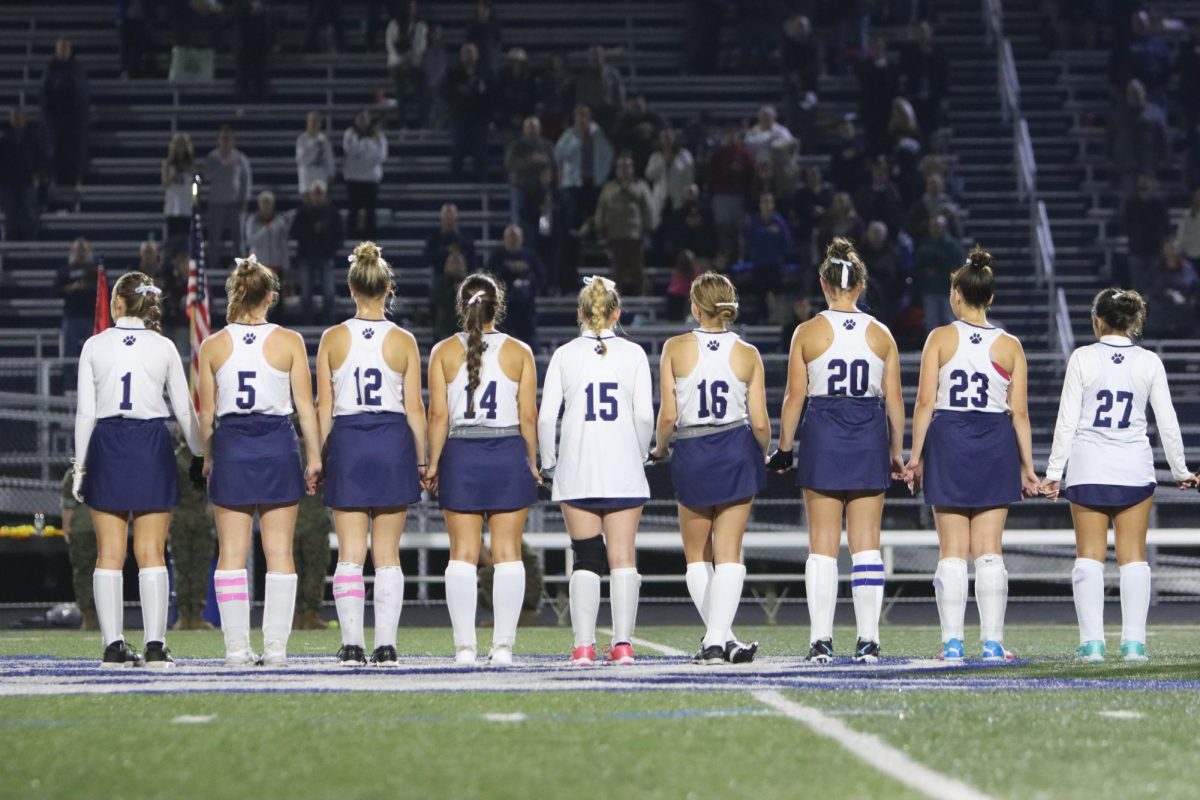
590,554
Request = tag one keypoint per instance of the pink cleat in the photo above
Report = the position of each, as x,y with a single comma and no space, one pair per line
584,655
621,654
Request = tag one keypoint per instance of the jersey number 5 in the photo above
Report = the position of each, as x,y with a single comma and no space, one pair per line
959,388
1105,398
245,398
607,401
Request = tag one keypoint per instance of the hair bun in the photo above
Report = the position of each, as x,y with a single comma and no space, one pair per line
367,252
979,258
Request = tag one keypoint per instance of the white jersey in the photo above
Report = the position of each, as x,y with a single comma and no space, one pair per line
496,395
246,383
849,367
122,373
1100,437
608,419
711,394
364,383
970,380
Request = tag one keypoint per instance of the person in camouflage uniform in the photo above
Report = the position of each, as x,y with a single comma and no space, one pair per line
192,539
310,548
534,582
81,550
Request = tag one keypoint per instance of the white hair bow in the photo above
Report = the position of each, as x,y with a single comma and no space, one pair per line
607,283
1117,295
846,265
475,298
148,288
251,259
733,305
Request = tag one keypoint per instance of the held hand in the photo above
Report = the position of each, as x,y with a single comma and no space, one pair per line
77,483
914,474
311,476
1031,485
657,455
547,476
899,471
780,461
1190,483
429,479
1050,488
196,473
537,476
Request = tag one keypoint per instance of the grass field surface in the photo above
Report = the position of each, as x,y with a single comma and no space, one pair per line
1040,727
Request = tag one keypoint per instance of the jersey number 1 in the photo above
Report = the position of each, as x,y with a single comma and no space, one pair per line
126,390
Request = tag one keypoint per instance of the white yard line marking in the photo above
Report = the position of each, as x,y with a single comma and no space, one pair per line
873,751
194,719
666,650
514,717
1121,714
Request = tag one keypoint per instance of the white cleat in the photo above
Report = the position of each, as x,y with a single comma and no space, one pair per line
464,656
274,655
501,656
240,659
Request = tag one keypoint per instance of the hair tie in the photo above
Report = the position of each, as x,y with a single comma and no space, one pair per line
733,305
351,258
251,260
475,298
148,288
1117,295
607,283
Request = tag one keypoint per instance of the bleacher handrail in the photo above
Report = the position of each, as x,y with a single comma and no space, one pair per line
1066,334
1026,165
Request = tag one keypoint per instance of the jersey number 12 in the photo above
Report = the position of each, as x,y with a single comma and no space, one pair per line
368,389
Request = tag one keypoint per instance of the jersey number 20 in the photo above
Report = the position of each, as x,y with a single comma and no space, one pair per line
856,371
959,388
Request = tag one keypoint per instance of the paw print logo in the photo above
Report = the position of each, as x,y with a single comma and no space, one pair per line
1117,358
598,350
849,324
368,333
486,345
976,338
129,340
713,345
249,338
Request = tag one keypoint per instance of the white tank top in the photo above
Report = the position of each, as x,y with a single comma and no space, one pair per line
849,367
364,383
246,383
496,395
970,380
711,394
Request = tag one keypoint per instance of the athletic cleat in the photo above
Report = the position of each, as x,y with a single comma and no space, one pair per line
351,655
274,655
464,656
158,656
820,652
385,656
714,654
994,651
501,656
118,655
1090,652
584,655
621,654
240,659
738,653
1134,652
952,650
866,652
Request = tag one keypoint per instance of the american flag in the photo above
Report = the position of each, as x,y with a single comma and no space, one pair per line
197,292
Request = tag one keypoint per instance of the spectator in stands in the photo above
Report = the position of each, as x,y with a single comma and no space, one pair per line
692,230
1137,135
434,66
669,172
702,22
1173,290
76,284
177,175
1147,226
904,147
730,178
800,52
1077,22
324,14
523,276
1145,56
885,280
925,68
134,25
800,106
555,95
623,219
848,158
1187,234
317,231
314,154
407,39
255,41
766,257
765,133
878,85
446,239
599,86
938,255
516,92
267,233
933,202
443,309
527,156
807,209
469,93
841,219
1188,67
679,289
66,109
880,200
584,159
637,132
484,32
230,179
364,149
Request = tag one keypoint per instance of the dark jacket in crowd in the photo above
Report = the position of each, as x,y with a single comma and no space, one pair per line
22,157
468,95
1147,224
76,285
438,244
65,108
523,275
317,231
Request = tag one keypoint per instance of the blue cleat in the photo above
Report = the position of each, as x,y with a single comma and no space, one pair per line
994,651
1134,651
952,650
1090,652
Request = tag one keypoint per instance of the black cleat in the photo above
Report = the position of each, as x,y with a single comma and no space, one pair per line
118,655
351,655
158,656
385,656
820,652
866,652
738,653
710,655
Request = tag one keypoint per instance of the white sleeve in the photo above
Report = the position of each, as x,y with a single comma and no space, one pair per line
85,408
382,137
302,150
1166,421
330,162
548,414
1070,406
181,398
419,43
643,403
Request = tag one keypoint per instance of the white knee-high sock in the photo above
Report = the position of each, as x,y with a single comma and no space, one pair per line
1135,601
991,595
279,605
508,595
233,601
724,596
624,584
154,589
1087,584
108,587
585,605
950,588
462,594
389,600
350,599
699,577
866,584
820,588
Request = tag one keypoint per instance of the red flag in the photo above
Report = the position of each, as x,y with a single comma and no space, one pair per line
103,318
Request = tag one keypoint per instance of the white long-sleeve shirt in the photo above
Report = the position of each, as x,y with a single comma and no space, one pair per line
418,41
122,373
314,160
608,419
1100,437
364,156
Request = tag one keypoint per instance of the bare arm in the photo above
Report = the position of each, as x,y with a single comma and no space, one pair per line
1018,403
208,402
668,409
324,390
926,397
414,406
527,409
302,397
439,418
893,400
794,395
760,421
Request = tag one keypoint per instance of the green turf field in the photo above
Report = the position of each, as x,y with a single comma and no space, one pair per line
662,729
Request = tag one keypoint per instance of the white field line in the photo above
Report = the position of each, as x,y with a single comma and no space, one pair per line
873,751
666,650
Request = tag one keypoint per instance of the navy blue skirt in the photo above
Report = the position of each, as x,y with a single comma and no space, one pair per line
131,466
1110,499
371,462
481,475
601,505
971,460
844,445
720,468
256,461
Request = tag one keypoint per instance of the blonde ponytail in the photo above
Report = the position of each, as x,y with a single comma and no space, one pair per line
598,301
